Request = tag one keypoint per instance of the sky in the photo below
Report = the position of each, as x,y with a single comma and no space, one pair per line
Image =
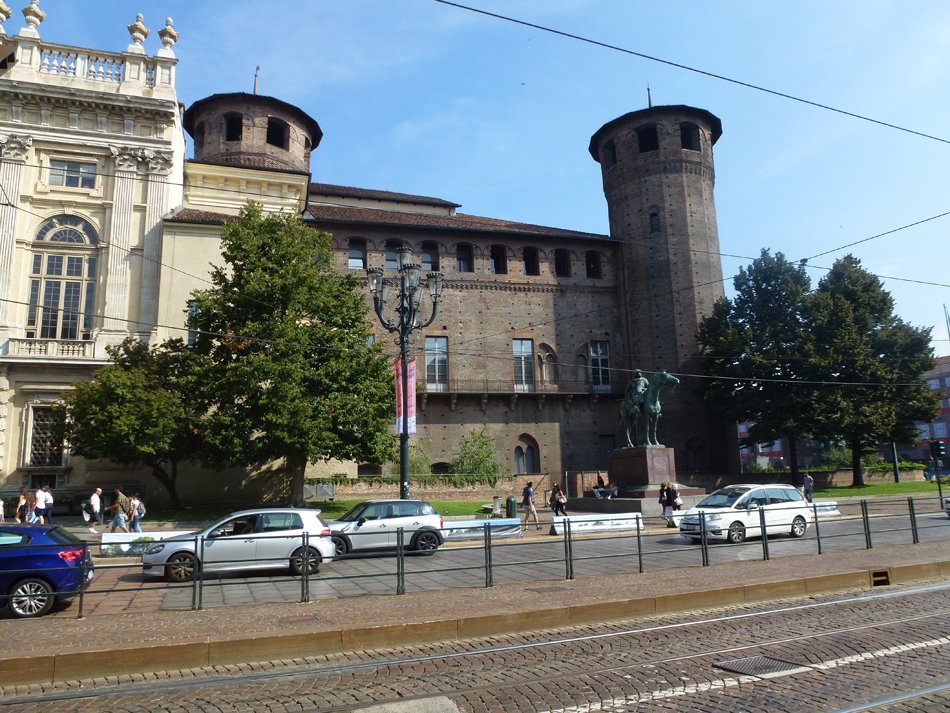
420,97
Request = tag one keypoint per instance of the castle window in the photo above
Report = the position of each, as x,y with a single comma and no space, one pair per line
437,363
599,353
278,133
498,260
594,267
392,260
608,154
527,459
531,264
523,351
72,174
648,138
356,255
429,255
233,126
562,262
62,283
654,222
463,258
689,136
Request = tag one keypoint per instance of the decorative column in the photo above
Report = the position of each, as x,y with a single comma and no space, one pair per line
13,152
120,240
159,165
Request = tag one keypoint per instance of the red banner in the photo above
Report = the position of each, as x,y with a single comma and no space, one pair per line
411,383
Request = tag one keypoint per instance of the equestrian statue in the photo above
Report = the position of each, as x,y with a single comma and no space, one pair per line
643,399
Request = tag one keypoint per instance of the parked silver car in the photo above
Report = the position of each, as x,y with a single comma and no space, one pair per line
266,538
735,512
373,525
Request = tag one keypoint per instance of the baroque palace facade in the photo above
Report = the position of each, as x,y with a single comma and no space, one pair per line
106,229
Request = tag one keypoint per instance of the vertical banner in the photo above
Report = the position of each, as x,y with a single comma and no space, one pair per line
411,384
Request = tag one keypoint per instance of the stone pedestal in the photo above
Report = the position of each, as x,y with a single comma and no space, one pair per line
640,466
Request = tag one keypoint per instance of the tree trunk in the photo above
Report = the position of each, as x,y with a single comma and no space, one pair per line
793,456
296,465
857,468
169,481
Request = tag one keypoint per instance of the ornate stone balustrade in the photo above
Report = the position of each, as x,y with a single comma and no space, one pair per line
98,67
52,348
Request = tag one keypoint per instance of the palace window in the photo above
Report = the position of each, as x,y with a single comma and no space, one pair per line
392,260
61,302
356,257
278,133
531,262
654,222
463,258
46,450
599,354
562,262
72,174
648,138
429,256
498,260
689,136
233,126
437,363
594,267
527,458
523,351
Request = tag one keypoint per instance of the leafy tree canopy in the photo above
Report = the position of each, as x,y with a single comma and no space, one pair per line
290,368
476,455
138,409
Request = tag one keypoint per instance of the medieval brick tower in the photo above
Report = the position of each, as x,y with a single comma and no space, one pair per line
657,167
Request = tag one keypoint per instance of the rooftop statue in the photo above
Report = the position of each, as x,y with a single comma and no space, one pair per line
643,399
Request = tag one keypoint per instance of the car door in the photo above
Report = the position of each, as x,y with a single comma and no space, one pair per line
408,516
758,502
377,529
779,512
281,534
231,544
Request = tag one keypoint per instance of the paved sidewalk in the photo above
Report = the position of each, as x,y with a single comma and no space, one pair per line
66,649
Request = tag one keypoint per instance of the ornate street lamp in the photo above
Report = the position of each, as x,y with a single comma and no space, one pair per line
406,308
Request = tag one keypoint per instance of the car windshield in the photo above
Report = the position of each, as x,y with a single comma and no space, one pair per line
724,498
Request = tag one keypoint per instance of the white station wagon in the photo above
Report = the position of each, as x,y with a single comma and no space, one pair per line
735,512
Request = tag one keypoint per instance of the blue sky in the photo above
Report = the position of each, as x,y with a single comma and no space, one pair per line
419,97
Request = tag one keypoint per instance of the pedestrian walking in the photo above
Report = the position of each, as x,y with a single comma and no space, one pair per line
19,515
49,504
527,501
136,510
558,500
94,510
39,505
668,496
119,510
808,487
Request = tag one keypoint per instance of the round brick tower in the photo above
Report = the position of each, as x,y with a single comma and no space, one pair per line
254,131
657,168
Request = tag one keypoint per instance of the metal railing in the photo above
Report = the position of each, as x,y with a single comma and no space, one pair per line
860,525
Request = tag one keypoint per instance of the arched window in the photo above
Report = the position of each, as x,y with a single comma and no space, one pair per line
233,126
278,132
581,371
648,139
527,455
61,302
547,365
529,256
464,262
498,260
689,136
562,262
654,222
429,257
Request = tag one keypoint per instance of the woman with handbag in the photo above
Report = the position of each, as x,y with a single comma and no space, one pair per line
675,501
558,500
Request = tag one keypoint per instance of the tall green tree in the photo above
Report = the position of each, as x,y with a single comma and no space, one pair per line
757,347
291,373
476,455
873,360
141,408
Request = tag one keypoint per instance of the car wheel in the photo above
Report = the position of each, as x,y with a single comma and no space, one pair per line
341,545
296,561
30,597
799,526
425,541
736,533
180,567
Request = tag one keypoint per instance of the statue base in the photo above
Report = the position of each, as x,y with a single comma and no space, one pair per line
641,466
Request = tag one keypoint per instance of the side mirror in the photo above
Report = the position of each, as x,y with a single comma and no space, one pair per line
216,533
361,522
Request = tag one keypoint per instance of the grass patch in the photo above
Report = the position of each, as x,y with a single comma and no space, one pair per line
916,486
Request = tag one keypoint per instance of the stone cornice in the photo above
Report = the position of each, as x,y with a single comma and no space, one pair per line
59,96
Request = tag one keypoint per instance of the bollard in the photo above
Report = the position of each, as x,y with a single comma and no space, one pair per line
511,507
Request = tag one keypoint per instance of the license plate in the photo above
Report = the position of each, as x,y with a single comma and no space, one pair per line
685,526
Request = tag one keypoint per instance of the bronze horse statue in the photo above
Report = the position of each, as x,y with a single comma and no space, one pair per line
643,399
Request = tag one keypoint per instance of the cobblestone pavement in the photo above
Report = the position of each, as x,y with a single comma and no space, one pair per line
826,653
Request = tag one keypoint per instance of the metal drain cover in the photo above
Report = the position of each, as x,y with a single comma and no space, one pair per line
759,666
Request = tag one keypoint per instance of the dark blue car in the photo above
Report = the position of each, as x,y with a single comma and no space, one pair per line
39,565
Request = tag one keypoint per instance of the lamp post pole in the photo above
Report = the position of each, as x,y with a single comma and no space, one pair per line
411,292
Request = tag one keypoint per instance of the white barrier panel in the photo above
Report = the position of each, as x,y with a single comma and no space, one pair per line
826,509
475,529
125,544
598,523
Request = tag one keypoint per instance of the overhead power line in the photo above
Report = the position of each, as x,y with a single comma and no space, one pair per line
695,70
